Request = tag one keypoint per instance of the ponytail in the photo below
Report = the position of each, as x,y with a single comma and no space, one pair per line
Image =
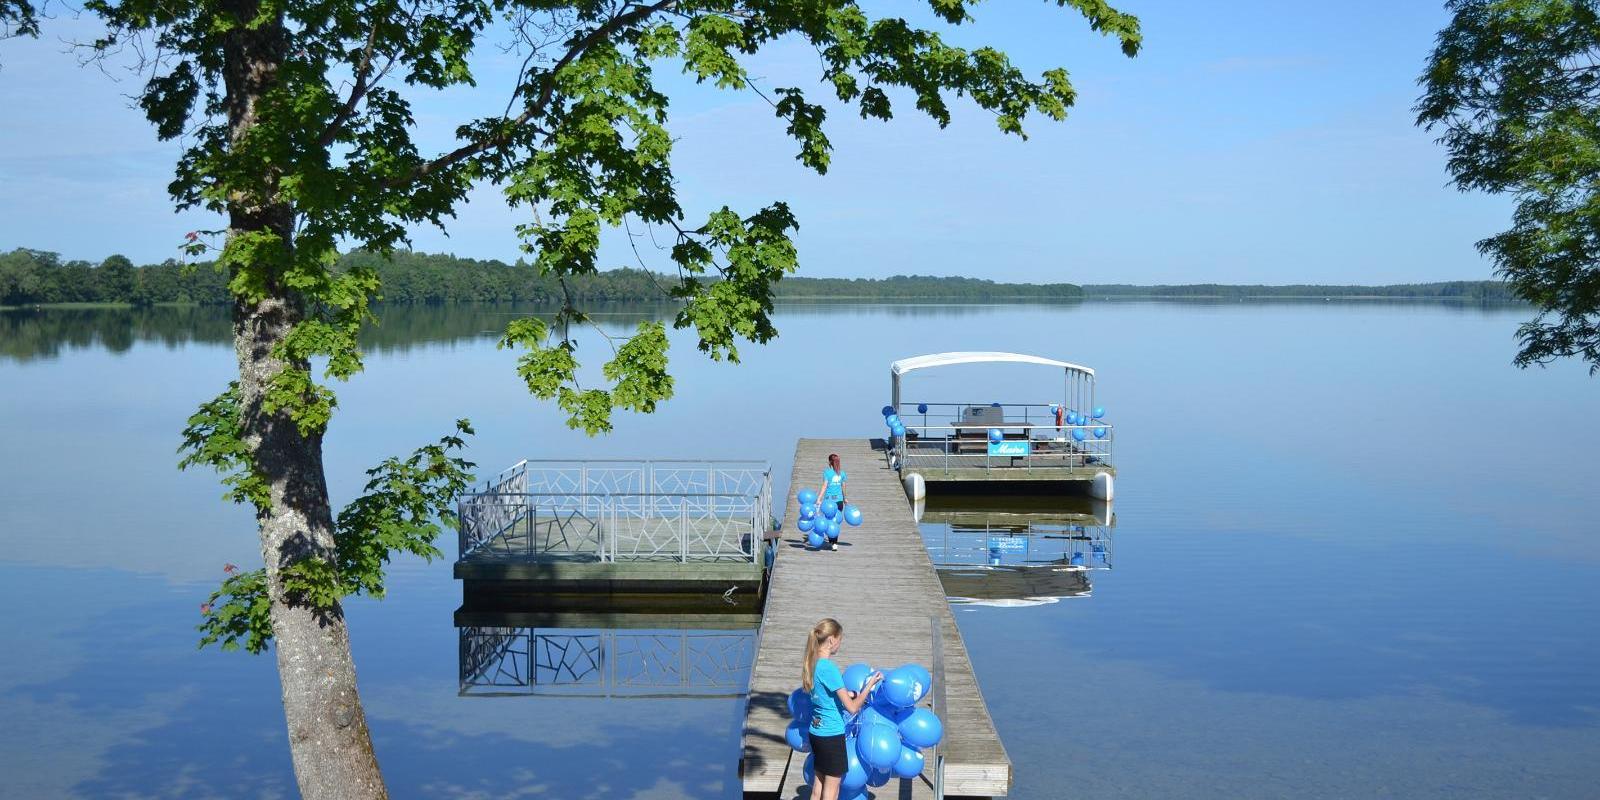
824,629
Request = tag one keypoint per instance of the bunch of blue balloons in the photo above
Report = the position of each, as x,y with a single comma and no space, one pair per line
897,429
1078,418
885,739
821,522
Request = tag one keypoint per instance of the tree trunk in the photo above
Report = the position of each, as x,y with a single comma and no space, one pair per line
328,737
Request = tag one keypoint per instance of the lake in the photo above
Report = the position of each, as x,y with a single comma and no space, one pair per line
1355,554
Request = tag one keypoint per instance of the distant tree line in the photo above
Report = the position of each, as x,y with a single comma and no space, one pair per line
29,277
1464,290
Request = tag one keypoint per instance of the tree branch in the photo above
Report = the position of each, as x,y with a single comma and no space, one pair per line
540,103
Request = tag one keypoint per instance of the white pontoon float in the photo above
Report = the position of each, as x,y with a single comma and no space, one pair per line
1031,446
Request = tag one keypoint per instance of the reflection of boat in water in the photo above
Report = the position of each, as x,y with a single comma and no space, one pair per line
1017,551
605,653
1013,586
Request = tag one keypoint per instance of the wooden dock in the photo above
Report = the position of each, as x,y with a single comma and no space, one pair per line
882,587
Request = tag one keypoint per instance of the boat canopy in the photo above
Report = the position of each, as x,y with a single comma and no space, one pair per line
904,365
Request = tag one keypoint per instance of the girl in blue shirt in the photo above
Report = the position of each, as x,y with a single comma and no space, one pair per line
830,703
833,485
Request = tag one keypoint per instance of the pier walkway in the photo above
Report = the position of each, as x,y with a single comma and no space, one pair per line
882,588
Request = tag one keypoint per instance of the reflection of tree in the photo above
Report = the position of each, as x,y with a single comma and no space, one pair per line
27,334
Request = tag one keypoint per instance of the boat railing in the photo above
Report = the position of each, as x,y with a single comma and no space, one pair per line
934,414
1000,436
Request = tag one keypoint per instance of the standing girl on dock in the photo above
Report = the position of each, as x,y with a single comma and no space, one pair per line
830,701
833,486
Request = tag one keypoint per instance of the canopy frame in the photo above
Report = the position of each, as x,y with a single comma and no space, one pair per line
1078,391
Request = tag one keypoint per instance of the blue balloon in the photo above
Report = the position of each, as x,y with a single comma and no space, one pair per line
1098,412
1073,418
1100,432
807,497
898,430
805,524
880,778
902,688
995,435
880,702
800,705
909,765
829,509
870,714
887,410
1076,560
809,771
815,539
994,405
798,738
1078,435
855,676
808,511
922,728
922,408
923,677
833,529
878,745
855,773
852,515
892,420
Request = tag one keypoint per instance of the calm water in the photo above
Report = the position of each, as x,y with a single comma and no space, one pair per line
1355,554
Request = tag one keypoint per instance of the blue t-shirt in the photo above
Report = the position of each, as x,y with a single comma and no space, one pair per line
827,714
834,481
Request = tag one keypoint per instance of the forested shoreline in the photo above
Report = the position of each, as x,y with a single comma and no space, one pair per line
1487,291
34,277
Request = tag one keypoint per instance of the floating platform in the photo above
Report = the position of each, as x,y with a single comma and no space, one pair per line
882,587
614,528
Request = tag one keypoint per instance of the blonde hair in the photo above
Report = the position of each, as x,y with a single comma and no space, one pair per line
824,629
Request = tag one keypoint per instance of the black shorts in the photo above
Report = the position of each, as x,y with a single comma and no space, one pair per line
828,757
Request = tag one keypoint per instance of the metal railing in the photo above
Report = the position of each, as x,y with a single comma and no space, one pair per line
501,661
612,528
936,669
611,511
956,436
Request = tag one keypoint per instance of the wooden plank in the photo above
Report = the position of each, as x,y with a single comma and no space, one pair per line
882,588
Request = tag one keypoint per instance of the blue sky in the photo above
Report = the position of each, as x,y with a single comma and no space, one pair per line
1251,142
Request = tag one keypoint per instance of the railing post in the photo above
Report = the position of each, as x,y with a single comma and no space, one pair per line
683,531
938,700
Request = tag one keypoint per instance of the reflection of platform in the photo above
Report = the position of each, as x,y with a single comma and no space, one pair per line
601,653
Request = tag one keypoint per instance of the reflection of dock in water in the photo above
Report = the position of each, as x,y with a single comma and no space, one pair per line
1017,551
606,653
